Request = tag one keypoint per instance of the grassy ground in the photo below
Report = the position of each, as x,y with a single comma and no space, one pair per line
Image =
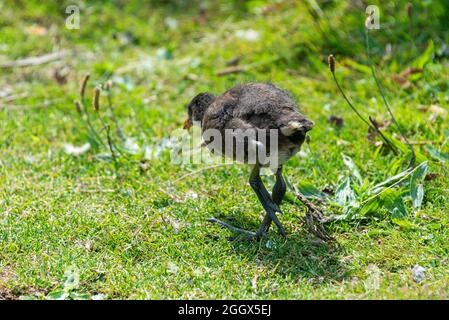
141,232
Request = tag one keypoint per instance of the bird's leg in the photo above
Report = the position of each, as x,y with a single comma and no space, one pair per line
270,204
277,195
265,199
264,227
279,188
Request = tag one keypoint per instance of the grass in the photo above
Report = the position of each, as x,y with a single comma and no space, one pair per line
139,231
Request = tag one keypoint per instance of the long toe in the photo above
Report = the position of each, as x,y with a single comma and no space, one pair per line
240,232
244,238
245,235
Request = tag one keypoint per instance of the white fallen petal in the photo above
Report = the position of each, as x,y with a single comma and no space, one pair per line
191,195
171,23
341,142
303,154
132,146
172,268
76,151
249,35
437,110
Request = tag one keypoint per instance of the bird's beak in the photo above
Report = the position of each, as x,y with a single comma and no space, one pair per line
187,124
307,125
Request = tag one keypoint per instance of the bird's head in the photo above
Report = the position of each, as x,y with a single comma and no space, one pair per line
197,107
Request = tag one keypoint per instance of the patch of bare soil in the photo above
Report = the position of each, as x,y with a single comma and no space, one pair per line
5,294
6,274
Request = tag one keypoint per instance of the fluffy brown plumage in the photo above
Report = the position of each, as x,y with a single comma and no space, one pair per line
254,106
263,107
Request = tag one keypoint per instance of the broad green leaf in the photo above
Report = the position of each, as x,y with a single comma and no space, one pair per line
71,279
400,211
416,187
357,66
403,223
290,198
420,171
345,195
310,191
58,295
418,197
402,147
79,296
437,155
390,181
306,188
352,167
392,201
422,60
371,206
425,57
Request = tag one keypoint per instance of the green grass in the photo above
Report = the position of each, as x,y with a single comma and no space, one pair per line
143,235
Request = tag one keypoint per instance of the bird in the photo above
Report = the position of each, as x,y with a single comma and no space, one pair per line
273,118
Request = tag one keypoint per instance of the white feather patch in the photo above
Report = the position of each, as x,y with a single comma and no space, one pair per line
291,128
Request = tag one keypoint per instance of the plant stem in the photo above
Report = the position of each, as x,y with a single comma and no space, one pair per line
89,123
370,125
349,102
385,101
111,148
118,129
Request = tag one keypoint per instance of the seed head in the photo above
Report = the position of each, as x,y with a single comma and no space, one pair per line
331,62
108,85
83,85
96,99
78,107
409,9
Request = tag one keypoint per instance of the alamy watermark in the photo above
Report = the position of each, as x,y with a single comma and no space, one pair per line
373,19
72,22
251,146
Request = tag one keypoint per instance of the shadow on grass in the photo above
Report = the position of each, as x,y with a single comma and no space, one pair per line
297,256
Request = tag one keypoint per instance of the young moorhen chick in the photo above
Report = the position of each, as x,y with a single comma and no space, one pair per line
270,112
